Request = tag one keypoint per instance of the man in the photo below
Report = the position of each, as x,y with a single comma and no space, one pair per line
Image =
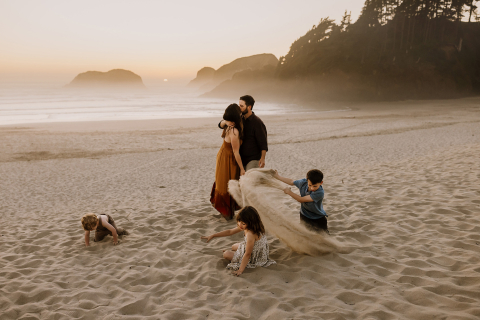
254,143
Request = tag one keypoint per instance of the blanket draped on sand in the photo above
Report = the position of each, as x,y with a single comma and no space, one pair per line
259,189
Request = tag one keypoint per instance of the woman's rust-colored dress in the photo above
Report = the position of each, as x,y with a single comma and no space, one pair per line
227,169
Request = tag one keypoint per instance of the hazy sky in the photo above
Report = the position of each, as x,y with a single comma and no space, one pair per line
56,40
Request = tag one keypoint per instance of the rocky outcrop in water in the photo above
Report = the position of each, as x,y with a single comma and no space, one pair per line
116,78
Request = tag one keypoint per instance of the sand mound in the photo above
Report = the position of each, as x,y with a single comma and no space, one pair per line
259,189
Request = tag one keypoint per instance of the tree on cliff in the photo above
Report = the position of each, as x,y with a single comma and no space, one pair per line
393,38
396,49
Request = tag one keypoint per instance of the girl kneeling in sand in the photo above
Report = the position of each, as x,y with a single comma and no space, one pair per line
253,251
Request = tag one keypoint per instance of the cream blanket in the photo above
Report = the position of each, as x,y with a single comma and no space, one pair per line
280,214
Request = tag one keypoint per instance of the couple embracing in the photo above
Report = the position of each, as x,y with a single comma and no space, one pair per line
244,147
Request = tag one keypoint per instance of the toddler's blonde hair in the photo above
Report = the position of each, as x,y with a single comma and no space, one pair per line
89,221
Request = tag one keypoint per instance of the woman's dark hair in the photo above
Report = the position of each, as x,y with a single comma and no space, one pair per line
234,114
250,217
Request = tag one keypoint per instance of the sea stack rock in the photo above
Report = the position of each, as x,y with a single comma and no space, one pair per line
208,78
204,75
256,62
113,79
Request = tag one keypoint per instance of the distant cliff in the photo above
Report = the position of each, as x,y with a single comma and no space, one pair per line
116,78
395,50
208,78
254,82
204,75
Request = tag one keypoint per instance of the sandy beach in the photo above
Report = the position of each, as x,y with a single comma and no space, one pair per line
402,185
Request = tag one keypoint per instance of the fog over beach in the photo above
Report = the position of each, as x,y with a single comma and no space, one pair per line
113,108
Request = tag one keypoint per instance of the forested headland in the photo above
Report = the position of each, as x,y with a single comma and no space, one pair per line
410,49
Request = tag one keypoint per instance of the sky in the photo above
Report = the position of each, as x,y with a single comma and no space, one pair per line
53,40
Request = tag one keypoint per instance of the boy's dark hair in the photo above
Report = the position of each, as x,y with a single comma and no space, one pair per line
250,217
249,101
315,176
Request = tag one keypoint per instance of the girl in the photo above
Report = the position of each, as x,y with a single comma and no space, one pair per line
253,251
229,163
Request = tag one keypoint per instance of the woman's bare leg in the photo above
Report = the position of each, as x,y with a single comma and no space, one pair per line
235,246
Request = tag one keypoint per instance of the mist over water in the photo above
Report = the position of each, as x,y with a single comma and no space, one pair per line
43,104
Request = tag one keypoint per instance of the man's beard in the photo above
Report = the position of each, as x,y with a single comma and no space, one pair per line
244,112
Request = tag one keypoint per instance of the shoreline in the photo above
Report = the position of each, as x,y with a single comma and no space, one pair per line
303,111
153,124
175,119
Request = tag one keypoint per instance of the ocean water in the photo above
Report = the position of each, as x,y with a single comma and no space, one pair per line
43,105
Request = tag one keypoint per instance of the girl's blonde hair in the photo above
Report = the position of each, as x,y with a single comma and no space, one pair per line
89,221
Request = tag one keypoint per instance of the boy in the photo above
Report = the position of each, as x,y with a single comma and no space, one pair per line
311,197
103,225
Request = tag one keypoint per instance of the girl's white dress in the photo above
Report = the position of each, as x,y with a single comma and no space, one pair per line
259,257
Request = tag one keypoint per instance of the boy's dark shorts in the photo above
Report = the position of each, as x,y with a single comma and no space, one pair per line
317,225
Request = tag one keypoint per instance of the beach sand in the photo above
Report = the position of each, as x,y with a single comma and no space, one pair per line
402,184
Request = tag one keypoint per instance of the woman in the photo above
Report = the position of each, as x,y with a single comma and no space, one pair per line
229,163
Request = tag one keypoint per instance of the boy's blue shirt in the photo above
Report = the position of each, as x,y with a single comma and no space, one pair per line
314,209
